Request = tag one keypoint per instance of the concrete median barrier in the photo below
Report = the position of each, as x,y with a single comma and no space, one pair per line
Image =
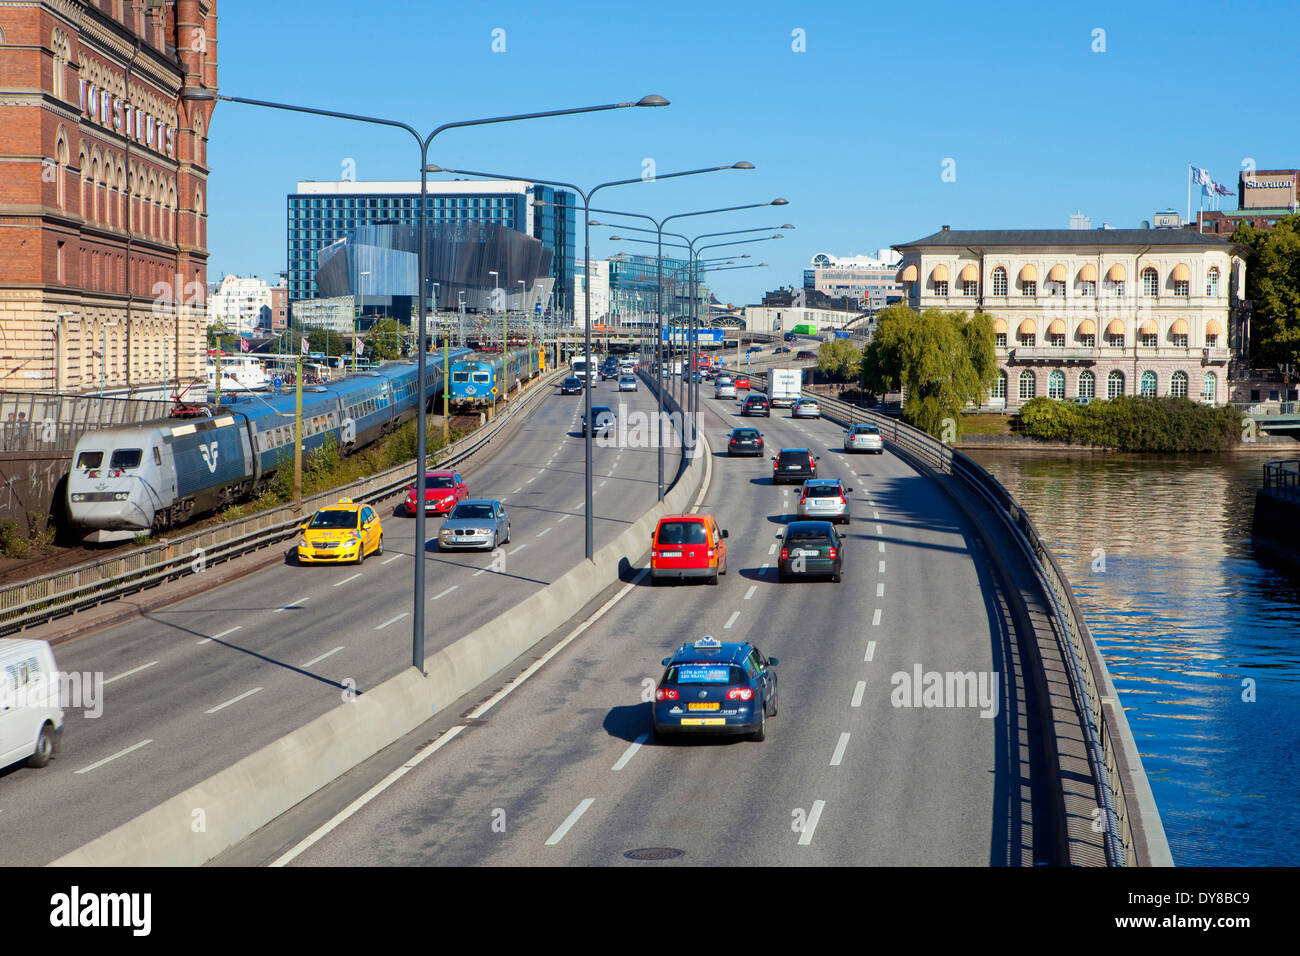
206,819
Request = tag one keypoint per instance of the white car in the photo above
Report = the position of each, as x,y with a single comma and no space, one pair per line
627,383
864,438
805,408
31,714
724,390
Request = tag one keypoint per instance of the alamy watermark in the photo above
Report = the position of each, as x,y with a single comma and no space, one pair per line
74,690
946,689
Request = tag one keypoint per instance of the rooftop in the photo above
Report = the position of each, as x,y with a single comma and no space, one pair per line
1087,238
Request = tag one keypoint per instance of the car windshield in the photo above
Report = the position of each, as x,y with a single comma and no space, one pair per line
573,381
682,532
438,481
472,511
704,672
334,519
125,458
90,459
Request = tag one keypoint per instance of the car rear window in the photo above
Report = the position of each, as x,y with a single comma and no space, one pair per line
808,536
746,432
822,488
683,532
794,458
704,673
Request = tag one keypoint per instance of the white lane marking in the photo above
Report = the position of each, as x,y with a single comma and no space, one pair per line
392,559
871,651
875,514
518,549
287,606
217,637
875,618
870,502
544,531
881,544
517,490
569,821
317,660
805,838
762,569
857,694
880,589
478,572
750,593
444,593
879,530
346,580
772,549
391,620
541,471
731,620
531,480
609,474
120,753
631,751
134,670
882,567
564,518
839,749
604,483
233,700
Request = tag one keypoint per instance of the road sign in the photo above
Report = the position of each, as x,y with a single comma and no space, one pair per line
494,390
277,382
537,308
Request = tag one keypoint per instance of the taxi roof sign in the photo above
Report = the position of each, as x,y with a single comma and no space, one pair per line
708,641
345,501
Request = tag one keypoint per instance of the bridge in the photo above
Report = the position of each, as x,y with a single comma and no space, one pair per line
245,689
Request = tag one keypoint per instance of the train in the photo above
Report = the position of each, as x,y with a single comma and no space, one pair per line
479,379
151,476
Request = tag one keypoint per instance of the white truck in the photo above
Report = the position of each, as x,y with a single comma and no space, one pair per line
785,384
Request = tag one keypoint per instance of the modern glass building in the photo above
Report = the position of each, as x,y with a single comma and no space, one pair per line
632,276
321,213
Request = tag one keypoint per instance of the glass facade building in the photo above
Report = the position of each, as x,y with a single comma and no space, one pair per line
320,214
632,276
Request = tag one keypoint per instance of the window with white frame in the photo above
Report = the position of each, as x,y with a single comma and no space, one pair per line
1056,384
1115,341
1212,281
1182,287
1147,386
1087,287
1209,388
1117,289
1087,384
1000,339
1150,282
941,287
1055,288
1000,386
1056,341
1029,287
999,281
1211,340
1180,340
1149,340
1028,385
1115,384
1178,384
1028,339
969,287
1088,340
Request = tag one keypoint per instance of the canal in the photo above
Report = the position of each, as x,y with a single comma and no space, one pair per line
1201,639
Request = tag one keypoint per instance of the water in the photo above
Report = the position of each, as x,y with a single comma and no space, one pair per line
1192,627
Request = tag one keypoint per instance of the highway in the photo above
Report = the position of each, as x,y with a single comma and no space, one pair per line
193,687
563,770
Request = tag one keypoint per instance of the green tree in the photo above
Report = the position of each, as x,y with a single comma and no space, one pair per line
384,340
943,359
1273,285
839,360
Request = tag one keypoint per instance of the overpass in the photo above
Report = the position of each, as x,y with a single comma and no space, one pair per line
229,695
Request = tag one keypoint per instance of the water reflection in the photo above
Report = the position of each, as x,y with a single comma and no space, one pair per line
1200,638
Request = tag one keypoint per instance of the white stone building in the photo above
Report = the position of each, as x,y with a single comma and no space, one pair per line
241,303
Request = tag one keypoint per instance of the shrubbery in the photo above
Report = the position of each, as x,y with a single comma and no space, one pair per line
1131,423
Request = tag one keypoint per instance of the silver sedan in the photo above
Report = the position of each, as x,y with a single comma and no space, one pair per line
475,523
825,498
806,408
864,438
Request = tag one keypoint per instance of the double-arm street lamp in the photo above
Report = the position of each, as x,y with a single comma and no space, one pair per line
196,94
589,427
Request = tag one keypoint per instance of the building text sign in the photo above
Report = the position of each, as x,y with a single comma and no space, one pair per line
104,108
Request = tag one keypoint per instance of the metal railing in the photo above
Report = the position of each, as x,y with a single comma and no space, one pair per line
87,585
41,422
1282,478
1112,755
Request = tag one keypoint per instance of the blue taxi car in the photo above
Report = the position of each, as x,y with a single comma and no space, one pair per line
712,687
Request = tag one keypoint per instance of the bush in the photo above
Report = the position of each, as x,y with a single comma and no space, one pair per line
1134,423
13,543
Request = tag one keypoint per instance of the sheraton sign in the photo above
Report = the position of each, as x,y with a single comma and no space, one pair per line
104,108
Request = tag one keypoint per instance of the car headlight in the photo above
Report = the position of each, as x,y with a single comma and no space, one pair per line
304,543
121,496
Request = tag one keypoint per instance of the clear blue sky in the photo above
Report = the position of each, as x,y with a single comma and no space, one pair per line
854,131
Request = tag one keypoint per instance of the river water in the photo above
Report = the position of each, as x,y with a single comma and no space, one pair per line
1201,639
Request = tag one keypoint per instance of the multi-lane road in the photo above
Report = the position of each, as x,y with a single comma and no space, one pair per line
563,769
192,688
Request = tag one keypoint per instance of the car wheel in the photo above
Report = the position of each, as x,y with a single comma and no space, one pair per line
44,752
379,548
836,576
507,534
772,712
714,579
724,567
761,734
494,542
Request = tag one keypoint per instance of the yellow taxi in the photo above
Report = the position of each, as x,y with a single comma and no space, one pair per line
343,532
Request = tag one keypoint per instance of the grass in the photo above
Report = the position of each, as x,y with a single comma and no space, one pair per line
986,424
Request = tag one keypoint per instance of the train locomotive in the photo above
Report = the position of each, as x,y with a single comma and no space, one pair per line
483,377
156,475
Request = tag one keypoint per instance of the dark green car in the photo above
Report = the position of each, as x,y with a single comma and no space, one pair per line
810,548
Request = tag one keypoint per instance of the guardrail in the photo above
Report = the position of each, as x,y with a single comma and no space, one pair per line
74,589
1123,790
1282,478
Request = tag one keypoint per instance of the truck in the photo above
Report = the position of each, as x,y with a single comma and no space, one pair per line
784,386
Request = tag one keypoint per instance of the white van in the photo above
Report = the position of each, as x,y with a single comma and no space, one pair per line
31,715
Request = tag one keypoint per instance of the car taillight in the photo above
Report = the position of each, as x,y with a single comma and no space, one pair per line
740,693
812,461
803,496
843,500
665,693
785,554
832,554
776,465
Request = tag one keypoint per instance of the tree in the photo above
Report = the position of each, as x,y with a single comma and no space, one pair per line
943,359
839,360
1273,285
384,340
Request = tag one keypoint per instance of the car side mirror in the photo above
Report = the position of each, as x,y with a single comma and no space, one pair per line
772,662
848,490
724,532
817,457
780,536
666,661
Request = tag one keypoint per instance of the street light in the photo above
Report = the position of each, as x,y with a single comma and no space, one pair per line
196,94
586,249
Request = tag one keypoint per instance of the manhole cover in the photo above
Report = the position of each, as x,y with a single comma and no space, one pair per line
654,853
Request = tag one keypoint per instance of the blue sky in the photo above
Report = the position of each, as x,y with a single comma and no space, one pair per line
854,131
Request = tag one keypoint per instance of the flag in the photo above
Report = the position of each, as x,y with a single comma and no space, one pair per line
1223,190
1201,177
306,345
243,343
361,346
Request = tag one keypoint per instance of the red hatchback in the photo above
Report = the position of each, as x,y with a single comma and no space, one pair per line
742,381
442,490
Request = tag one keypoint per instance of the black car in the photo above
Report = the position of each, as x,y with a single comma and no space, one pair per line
756,405
604,418
794,465
745,441
806,355
571,386
810,548
609,369
788,337
780,349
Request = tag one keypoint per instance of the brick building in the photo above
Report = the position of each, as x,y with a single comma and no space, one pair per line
103,244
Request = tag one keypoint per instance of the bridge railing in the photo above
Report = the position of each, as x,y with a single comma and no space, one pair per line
1282,478
73,589
1134,833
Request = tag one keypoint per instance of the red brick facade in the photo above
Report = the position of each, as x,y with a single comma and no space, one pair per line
103,204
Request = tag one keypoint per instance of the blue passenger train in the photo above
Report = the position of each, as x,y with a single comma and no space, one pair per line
478,379
159,474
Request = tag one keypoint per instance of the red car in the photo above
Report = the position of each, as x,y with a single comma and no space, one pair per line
742,381
442,489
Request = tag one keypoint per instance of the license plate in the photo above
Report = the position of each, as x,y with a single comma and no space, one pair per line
704,721
670,554
796,467
802,553
705,705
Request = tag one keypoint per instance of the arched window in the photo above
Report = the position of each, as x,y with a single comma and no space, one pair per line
1147,385
94,188
1056,384
1150,281
1212,281
1028,385
1000,386
1115,384
61,163
999,281
200,232
1209,389
1178,384
1087,385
